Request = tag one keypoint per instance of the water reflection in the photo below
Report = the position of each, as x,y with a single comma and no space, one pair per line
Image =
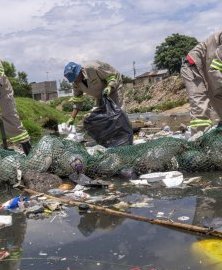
90,222
11,239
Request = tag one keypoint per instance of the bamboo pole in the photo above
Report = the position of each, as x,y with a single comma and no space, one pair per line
107,211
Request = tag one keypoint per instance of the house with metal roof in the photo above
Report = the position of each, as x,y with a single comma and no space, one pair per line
151,77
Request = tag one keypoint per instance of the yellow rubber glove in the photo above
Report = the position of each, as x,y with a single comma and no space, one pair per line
70,121
107,91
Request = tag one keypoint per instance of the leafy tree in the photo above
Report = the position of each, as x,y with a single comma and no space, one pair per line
169,54
18,80
65,86
126,79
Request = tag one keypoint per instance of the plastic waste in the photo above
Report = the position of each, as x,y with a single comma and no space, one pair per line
78,192
170,179
14,203
4,254
5,221
56,192
209,251
84,180
96,150
66,129
143,182
70,131
109,125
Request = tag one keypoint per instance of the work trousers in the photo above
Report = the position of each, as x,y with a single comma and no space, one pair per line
12,124
203,93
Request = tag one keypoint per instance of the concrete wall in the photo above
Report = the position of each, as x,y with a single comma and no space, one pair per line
44,90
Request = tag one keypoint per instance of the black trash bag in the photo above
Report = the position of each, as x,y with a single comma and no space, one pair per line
108,125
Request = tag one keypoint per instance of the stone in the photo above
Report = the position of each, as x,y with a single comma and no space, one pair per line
41,182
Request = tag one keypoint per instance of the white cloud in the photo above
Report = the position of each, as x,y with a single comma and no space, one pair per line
40,36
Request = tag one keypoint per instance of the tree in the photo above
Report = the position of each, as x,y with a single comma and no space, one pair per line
65,86
127,79
169,54
18,80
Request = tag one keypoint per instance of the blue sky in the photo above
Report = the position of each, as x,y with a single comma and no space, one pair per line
41,36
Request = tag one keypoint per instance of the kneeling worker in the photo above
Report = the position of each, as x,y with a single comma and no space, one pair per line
11,122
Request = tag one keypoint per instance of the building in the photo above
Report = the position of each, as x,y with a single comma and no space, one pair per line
151,77
44,90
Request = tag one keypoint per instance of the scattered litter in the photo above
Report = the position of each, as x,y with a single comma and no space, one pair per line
120,257
5,221
140,205
83,208
143,182
121,206
138,141
183,218
66,186
41,253
14,203
84,180
56,192
52,205
192,180
4,254
34,210
78,193
160,214
70,130
170,179
96,150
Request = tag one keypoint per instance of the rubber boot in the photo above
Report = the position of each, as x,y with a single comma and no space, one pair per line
26,146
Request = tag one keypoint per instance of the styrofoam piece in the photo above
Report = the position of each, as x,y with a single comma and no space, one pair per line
170,179
64,128
139,141
140,182
5,220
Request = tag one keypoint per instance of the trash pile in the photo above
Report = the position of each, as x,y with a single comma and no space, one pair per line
63,157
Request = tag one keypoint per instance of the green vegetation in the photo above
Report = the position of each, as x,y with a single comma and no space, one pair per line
169,54
18,80
37,115
63,103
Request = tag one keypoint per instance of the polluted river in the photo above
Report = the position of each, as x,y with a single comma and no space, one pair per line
67,237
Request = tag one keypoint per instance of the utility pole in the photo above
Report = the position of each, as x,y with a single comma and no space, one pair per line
47,75
134,69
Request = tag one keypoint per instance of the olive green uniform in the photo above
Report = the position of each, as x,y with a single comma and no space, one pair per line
12,124
97,76
202,74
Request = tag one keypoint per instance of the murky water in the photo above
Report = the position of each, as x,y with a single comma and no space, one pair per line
70,241
95,241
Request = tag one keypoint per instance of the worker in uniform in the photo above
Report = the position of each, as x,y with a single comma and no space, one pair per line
202,74
12,125
95,79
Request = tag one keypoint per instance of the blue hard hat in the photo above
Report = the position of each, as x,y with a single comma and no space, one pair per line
72,71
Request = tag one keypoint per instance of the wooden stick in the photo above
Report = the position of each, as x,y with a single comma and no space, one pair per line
167,223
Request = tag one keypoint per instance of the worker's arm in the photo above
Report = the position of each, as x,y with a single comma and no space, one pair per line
77,101
111,76
74,113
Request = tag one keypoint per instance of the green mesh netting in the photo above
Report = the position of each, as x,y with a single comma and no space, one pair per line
56,155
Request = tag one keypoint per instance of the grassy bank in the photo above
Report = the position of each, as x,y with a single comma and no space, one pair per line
36,116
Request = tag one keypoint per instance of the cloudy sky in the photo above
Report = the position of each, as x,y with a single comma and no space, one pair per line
41,36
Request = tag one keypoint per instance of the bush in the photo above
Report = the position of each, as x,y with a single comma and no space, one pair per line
67,106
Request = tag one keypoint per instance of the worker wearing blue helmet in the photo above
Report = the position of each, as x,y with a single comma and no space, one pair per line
95,79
